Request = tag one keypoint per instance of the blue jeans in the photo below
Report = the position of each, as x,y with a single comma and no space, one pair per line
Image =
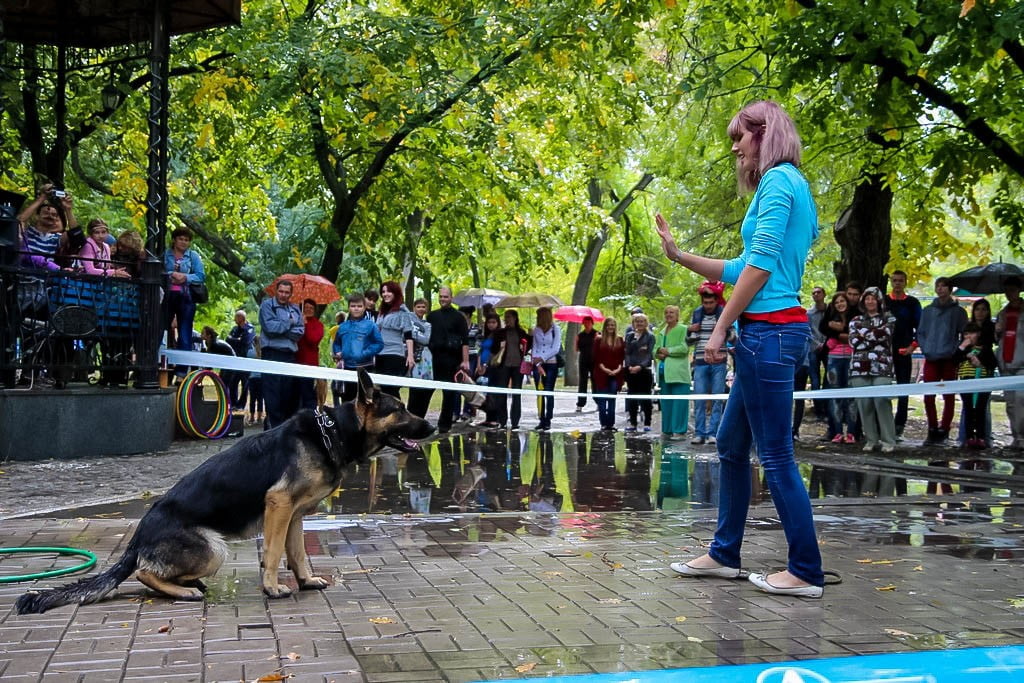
546,404
606,406
708,379
758,411
841,411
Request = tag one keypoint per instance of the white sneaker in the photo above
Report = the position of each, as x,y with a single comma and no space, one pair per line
888,448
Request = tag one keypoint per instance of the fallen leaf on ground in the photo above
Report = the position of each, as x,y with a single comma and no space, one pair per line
293,656
865,561
694,639
525,668
898,633
890,587
552,573
680,619
919,568
166,628
382,620
1016,602
273,677
610,601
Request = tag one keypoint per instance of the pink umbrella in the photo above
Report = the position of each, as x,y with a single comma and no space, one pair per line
576,314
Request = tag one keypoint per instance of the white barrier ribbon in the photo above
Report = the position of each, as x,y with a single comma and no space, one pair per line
211,360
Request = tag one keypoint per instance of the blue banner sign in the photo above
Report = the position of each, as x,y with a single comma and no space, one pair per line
974,665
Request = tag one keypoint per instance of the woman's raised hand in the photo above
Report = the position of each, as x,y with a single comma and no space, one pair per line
668,242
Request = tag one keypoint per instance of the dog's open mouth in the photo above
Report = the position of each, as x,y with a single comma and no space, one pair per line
402,444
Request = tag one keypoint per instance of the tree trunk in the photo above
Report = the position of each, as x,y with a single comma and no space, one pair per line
416,225
585,278
864,232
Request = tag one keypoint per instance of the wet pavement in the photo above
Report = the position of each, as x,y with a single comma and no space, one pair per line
520,554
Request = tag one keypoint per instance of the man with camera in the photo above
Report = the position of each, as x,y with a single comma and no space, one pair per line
45,239
49,242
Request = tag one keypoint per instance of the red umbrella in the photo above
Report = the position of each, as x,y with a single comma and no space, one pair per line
576,314
306,286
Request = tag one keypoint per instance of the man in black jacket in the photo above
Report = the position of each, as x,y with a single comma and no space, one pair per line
449,345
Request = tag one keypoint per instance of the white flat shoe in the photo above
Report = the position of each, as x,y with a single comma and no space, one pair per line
761,581
720,572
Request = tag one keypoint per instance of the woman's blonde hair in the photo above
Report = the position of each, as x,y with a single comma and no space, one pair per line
775,137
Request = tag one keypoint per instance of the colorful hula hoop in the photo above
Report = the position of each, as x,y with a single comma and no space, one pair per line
190,393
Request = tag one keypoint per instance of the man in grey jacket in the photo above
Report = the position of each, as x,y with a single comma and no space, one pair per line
938,334
281,326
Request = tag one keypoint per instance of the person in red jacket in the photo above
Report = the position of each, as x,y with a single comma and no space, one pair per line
308,352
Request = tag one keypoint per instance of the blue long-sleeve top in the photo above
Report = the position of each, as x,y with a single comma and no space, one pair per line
778,230
357,341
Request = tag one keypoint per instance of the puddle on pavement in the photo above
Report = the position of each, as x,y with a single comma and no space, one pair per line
496,471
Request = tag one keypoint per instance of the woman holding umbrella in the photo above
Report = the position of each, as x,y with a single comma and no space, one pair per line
778,230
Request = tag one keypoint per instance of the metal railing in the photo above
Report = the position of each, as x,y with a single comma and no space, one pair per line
60,327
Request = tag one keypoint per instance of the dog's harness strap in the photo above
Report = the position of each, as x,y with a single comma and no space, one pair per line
323,421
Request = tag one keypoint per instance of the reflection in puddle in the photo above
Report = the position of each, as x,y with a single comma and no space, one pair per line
497,471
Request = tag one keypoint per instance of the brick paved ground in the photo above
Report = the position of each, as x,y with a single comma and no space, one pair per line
474,597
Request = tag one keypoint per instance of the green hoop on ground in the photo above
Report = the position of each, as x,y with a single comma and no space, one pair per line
189,392
89,562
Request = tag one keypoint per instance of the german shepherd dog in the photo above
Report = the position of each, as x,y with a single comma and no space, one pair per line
271,480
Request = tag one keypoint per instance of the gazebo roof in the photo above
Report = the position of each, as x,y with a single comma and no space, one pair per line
105,23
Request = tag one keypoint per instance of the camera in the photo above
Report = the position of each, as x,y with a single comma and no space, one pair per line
57,195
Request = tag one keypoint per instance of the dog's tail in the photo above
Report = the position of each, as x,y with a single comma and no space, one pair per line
86,591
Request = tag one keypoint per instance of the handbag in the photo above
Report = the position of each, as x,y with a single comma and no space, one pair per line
526,366
198,292
497,358
473,397
424,367
560,358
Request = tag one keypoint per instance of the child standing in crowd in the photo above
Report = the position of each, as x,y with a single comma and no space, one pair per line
975,361
835,325
639,380
356,343
257,410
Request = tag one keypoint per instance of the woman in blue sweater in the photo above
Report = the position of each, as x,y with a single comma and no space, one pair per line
778,230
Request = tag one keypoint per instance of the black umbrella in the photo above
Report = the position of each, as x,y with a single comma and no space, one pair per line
988,279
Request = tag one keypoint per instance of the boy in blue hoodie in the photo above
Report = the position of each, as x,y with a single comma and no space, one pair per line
356,342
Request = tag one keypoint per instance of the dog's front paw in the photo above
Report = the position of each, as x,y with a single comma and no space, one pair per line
276,591
192,594
317,583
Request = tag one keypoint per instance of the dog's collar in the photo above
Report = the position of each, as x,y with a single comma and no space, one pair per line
323,421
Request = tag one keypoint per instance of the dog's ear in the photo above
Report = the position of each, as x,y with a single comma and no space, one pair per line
366,387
